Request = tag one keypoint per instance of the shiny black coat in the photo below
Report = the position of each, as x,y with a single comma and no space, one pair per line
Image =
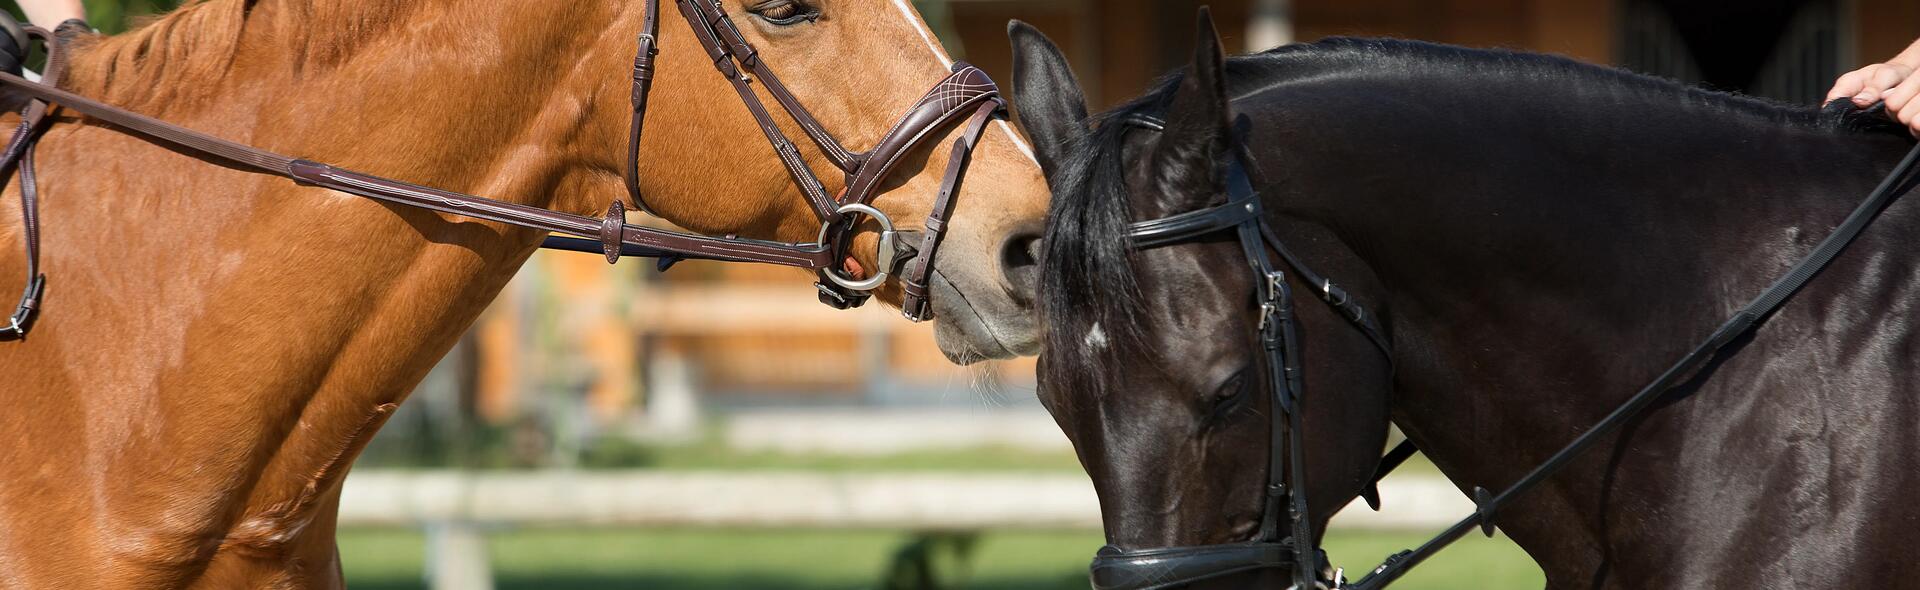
1541,238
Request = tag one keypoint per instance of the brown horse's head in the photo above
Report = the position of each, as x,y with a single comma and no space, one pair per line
857,65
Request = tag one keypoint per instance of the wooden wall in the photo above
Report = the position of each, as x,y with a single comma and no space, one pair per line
1883,27
1119,46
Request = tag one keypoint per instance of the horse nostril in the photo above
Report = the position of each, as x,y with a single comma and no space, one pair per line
1020,262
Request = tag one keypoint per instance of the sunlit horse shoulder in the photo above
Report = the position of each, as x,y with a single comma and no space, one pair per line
1535,239
216,347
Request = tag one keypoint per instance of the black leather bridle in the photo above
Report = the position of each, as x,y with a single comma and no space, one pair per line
1290,547
1165,567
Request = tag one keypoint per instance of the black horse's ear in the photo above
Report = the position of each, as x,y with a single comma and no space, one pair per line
1048,99
1188,156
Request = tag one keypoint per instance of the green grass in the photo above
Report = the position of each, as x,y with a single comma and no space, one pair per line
846,560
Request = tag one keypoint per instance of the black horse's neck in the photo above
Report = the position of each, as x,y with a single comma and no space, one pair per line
1544,237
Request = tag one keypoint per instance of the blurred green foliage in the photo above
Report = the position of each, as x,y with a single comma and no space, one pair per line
113,16
110,16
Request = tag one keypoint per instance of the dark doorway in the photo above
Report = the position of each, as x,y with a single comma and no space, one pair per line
1782,49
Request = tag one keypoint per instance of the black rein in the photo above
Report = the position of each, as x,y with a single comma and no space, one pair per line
1115,569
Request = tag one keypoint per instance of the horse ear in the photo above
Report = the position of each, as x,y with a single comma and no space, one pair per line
1050,104
1197,122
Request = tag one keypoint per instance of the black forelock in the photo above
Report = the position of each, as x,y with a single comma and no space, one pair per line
1088,280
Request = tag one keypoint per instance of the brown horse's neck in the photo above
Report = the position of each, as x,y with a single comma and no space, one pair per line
216,347
225,343
489,93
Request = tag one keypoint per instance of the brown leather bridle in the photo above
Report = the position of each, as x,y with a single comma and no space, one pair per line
966,93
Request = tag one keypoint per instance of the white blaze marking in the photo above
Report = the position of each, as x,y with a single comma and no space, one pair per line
1096,338
946,61
926,34
1018,143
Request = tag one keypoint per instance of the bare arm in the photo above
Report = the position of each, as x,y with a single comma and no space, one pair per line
50,13
1893,82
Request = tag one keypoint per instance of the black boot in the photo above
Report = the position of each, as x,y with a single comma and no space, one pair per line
13,44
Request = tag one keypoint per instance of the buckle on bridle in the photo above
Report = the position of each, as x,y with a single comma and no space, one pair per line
1323,579
883,256
1334,295
1270,305
22,318
837,300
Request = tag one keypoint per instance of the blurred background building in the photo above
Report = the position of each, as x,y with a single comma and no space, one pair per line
739,336
713,427
1785,49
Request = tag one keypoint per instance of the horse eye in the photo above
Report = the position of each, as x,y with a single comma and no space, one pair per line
786,12
1228,398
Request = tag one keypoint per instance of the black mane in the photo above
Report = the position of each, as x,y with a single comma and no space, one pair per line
1555,76
1088,281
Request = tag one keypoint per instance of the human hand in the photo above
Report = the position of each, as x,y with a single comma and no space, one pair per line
1893,82
49,13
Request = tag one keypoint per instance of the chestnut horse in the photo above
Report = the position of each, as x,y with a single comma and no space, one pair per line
216,347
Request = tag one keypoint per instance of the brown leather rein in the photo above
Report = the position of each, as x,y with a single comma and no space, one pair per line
967,93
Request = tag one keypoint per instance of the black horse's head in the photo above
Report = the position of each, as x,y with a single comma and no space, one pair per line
1153,362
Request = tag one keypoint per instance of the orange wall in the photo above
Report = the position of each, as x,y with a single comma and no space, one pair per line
1884,27
1120,46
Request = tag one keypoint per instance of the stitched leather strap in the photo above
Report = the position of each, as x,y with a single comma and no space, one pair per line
958,95
736,59
707,20
915,303
727,34
966,90
647,47
386,189
19,157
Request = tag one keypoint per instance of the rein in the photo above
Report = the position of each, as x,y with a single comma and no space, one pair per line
1743,322
966,94
1143,569
19,155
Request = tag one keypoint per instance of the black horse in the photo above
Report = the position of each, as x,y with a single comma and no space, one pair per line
1538,238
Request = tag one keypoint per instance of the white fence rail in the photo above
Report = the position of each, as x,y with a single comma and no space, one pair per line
922,501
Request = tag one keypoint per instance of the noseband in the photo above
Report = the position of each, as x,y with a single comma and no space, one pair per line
1140,569
966,94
